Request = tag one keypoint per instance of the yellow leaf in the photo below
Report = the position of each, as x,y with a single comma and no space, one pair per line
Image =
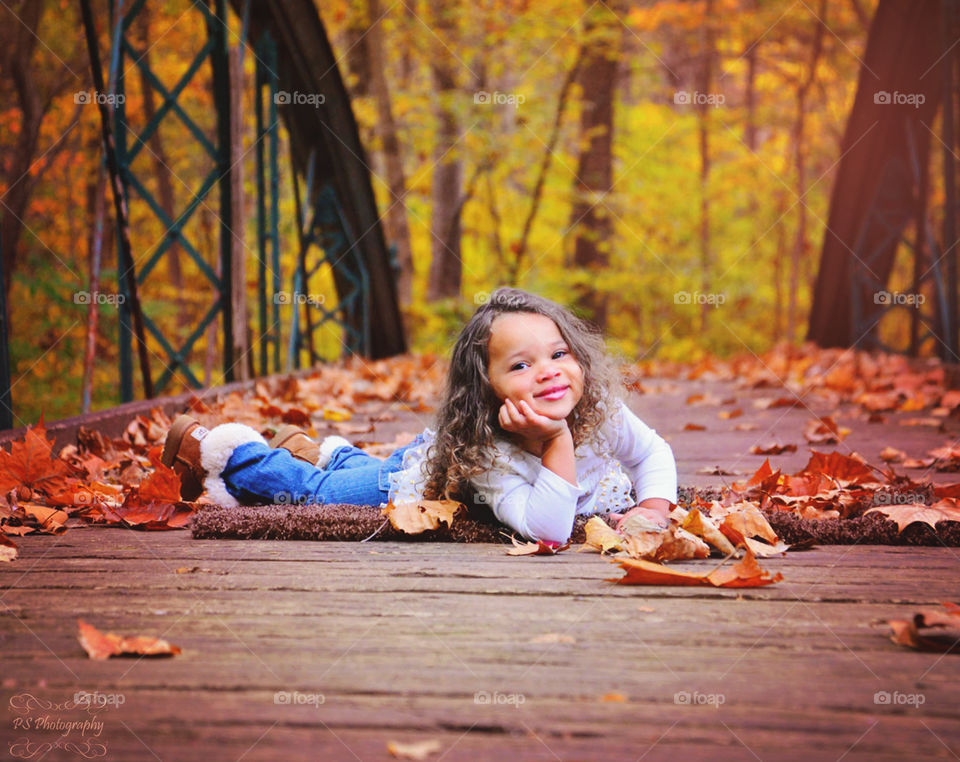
414,518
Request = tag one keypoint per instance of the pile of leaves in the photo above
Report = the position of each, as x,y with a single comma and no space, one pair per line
118,482
875,381
121,482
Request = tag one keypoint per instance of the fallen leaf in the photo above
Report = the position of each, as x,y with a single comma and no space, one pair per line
745,573
154,516
892,455
29,463
694,427
162,486
413,749
904,515
414,518
824,431
929,629
842,469
336,413
600,536
608,698
749,522
772,449
8,549
677,544
538,548
727,414
766,403
48,520
702,526
103,645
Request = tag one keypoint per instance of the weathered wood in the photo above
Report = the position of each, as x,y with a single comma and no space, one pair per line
401,640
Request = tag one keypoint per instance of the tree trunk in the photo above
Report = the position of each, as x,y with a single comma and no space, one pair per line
703,106
242,359
445,264
395,219
16,56
357,45
875,143
591,221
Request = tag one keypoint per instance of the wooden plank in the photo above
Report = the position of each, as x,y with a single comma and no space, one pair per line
400,638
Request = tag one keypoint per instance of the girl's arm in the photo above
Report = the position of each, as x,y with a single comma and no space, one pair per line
648,461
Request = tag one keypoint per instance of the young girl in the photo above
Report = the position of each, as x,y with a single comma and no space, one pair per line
531,424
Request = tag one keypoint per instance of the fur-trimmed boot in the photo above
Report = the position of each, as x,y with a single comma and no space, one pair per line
329,446
199,456
298,443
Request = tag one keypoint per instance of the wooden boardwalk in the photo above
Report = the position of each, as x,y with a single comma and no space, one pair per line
303,650
330,651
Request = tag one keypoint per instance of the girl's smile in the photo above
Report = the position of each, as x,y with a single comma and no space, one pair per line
529,360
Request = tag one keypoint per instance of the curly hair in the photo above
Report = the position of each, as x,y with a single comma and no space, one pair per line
467,422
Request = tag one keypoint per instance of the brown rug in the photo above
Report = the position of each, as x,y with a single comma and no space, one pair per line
354,523
339,522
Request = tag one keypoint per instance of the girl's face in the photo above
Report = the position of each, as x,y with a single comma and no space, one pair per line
529,360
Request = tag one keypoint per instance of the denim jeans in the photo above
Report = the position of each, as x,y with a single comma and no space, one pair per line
256,474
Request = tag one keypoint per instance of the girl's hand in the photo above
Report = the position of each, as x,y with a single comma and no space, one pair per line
654,514
524,421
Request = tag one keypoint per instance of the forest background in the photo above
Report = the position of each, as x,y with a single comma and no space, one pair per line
664,167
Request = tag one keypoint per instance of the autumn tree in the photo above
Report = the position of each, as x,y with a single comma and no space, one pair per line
874,195
446,268
591,224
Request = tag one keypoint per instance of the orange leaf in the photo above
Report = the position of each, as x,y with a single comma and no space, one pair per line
947,509
414,518
151,516
8,548
772,449
49,520
843,469
928,629
29,463
162,486
103,645
745,573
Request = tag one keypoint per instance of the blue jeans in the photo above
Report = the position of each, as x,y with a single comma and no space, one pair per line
257,474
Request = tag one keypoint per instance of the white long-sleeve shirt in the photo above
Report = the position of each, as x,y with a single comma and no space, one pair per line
539,504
